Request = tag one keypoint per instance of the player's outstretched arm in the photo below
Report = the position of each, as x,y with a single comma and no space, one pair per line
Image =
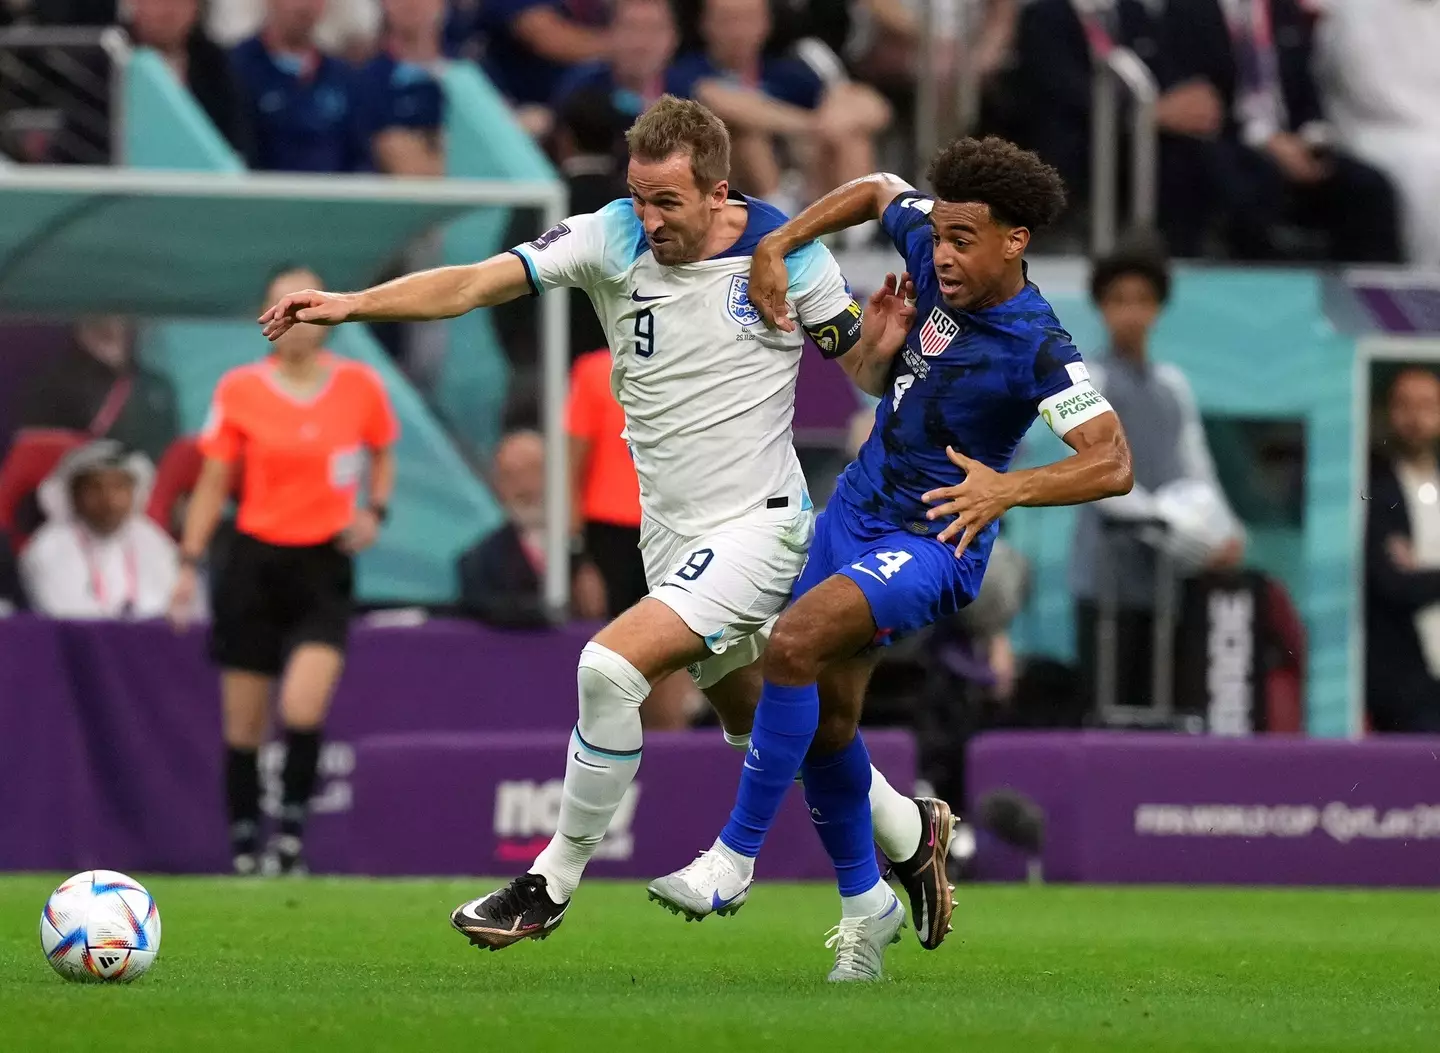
445,292
889,314
1099,469
858,201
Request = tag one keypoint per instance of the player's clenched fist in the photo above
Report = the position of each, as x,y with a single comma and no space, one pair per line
308,305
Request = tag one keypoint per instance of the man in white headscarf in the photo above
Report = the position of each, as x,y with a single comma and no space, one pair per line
1381,85
98,556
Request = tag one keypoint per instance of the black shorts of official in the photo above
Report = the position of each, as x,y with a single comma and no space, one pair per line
615,551
269,599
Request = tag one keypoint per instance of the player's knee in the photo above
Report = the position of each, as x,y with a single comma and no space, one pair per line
611,690
834,732
791,657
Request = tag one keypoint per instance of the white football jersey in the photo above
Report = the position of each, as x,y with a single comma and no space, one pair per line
708,389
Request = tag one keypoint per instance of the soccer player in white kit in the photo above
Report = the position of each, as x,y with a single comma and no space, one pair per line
708,391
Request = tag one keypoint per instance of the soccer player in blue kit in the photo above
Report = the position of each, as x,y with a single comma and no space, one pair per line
905,538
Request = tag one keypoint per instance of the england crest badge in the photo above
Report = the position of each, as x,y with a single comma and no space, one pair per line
737,304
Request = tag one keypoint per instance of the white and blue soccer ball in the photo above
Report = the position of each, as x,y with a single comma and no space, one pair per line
100,927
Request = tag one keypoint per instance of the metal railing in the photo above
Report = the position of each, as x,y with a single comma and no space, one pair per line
947,91
62,86
1121,67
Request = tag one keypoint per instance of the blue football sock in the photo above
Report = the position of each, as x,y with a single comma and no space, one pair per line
785,722
837,789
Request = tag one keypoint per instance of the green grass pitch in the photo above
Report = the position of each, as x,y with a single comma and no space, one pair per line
359,965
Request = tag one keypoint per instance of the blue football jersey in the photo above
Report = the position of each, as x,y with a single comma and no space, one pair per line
974,380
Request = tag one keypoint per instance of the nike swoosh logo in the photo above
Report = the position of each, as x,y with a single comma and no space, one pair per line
469,909
894,903
592,767
555,920
716,902
752,767
645,299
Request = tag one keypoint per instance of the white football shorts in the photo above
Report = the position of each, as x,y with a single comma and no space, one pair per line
730,584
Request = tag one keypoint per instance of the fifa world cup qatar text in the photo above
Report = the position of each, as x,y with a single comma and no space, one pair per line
985,359
708,392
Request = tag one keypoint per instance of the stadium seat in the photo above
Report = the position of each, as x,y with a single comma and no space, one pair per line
175,477
33,456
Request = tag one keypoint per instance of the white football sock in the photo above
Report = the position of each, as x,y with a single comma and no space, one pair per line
603,758
738,742
867,903
744,865
896,819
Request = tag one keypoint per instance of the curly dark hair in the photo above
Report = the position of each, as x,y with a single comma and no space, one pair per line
1141,257
1020,189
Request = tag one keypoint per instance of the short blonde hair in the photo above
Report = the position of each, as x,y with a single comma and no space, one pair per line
672,125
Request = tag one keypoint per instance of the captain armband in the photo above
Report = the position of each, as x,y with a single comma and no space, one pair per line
1072,407
840,333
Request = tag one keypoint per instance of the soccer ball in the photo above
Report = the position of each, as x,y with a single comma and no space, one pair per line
100,927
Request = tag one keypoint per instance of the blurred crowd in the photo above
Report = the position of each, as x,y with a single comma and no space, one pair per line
1289,129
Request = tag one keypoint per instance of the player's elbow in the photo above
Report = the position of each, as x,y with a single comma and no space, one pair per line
1120,476
1123,481
884,189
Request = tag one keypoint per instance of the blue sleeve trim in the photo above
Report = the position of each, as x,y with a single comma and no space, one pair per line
529,272
807,267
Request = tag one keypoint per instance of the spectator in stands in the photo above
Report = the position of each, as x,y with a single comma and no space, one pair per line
404,104
1382,91
1174,473
630,77
766,99
587,129
1402,563
1055,43
98,388
588,133
533,42
304,105
97,555
348,28
1268,158
172,28
501,577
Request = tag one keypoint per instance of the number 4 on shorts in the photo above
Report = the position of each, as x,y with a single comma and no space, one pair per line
887,565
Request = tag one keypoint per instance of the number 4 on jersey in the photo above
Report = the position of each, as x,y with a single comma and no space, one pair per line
902,385
887,565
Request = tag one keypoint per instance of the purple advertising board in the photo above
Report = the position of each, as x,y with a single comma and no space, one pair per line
488,802
110,755
1150,807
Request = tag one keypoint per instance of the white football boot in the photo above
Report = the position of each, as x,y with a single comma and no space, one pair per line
860,943
709,885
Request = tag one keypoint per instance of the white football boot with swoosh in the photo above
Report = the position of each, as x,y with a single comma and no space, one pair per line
709,885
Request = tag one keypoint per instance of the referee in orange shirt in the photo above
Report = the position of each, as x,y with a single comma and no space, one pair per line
299,423
606,491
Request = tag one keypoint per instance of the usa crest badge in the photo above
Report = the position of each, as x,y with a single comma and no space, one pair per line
738,305
937,333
